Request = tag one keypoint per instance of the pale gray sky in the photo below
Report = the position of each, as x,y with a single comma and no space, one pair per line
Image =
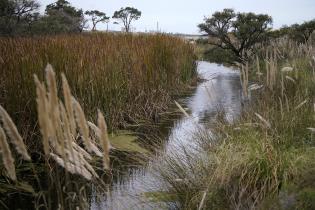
183,15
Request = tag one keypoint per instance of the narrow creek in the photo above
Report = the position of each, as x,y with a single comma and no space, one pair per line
220,91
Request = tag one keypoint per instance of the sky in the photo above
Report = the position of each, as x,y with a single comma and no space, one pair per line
183,16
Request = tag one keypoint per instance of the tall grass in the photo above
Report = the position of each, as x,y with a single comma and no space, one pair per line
66,138
128,77
265,160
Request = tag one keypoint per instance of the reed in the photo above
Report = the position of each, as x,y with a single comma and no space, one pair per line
267,156
60,139
129,77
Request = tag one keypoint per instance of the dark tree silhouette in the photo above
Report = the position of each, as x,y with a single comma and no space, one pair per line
126,16
96,17
236,32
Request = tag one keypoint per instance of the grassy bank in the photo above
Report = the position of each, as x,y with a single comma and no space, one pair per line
265,160
130,78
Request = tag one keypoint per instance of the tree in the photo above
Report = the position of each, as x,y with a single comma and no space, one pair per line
97,17
61,17
126,16
302,33
236,32
17,15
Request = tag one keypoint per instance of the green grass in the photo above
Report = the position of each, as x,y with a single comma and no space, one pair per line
251,165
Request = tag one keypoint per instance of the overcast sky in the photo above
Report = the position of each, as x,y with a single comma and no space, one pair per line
183,15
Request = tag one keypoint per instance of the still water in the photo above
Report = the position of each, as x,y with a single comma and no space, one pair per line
220,91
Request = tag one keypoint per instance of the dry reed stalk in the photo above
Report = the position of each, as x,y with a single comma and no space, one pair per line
268,125
258,68
301,104
182,109
42,114
103,136
58,131
72,168
68,102
13,134
7,157
281,108
267,69
291,79
82,124
311,129
244,79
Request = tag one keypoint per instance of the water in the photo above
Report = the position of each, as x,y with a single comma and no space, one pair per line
220,92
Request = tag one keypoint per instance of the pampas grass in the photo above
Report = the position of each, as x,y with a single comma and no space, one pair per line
13,134
61,126
7,158
104,140
57,135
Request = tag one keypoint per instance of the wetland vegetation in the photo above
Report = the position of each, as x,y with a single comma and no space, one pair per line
88,119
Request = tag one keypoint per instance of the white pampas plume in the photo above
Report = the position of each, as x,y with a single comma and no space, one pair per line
287,69
42,113
268,125
82,124
103,136
290,78
13,134
301,104
74,169
311,129
181,109
68,103
7,158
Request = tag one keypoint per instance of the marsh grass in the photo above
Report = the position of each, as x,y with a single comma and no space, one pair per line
67,143
128,77
265,160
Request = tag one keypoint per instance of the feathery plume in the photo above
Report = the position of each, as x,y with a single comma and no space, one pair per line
72,168
301,104
268,125
82,124
103,136
7,158
68,103
13,134
181,109
42,113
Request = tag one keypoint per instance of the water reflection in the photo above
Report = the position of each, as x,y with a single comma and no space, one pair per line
219,93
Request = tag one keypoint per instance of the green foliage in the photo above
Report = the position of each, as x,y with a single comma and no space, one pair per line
97,17
126,16
237,32
16,17
61,17
22,18
301,33
248,165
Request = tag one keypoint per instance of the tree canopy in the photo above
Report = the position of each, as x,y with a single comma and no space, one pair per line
16,16
302,33
237,32
96,17
126,16
62,17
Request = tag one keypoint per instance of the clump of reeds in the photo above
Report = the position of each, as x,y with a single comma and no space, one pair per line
130,77
268,154
10,134
63,124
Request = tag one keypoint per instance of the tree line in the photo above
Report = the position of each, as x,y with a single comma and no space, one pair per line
22,17
235,35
